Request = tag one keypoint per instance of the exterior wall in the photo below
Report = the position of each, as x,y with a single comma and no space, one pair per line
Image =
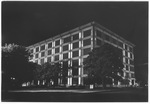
74,45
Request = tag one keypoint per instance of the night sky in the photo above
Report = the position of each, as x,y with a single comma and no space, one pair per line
26,23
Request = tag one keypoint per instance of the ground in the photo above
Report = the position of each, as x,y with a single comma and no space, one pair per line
76,95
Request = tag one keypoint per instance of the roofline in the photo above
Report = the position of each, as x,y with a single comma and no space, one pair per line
79,28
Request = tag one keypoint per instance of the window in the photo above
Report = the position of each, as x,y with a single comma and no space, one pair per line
126,47
75,45
42,47
87,42
132,75
57,50
131,62
98,42
49,52
36,55
127,75
56,57
87,33
131,56
49,45
131,68
120,44
127,67
99,34
66,47
126,60
126,53
49,59
86,51
42,61
65,56
31,50
57,42
37,49
75,65
76,36
67,39
42,54
75,53
130,49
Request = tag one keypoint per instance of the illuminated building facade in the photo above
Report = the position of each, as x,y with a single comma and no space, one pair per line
73,46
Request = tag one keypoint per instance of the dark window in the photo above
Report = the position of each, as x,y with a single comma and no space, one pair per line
75,81
37,49
49,59
57,50
42,54
42,47
31,50
75,53
87,42
127,75
75,65
87,33
132,75
42,61
56,57
98,42
75,45
126,53
120,44
37,55
65,56
126,47
67,39
66,47
131,62
131,68
49,52
131,56
127,67
76,36
49,45
126,60
86,51
57,42
131,49
99,34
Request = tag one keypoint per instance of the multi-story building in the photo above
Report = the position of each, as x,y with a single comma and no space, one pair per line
73,46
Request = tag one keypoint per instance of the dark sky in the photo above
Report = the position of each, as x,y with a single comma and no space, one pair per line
26,23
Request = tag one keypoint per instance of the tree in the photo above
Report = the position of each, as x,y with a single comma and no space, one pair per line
103,63
15,64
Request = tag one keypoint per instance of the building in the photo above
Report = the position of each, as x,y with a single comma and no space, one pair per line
73,46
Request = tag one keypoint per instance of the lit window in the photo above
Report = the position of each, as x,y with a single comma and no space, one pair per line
98,42
49,52
42,47
57,42
87,42
86,51
66,47
67,39
57,50
56,57
37,49
49,45
42,61
75,53
49,59
75,45
65,56
42,54
76,36
37,55
87,33
99,34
